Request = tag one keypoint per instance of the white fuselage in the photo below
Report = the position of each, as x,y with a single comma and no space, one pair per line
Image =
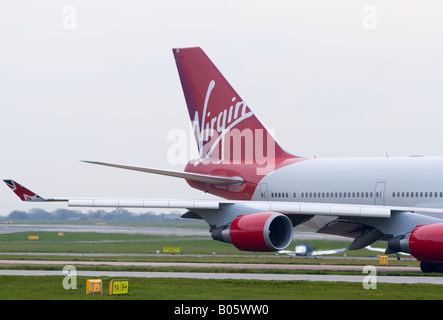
405,181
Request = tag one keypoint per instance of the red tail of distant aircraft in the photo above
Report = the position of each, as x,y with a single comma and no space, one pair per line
267,191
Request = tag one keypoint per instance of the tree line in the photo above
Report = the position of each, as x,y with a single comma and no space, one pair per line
69,214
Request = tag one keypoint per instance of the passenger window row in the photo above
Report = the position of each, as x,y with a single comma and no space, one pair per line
324,194
416,194
398,194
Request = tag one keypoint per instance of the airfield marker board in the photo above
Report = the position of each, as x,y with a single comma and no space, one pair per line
118,287
172,249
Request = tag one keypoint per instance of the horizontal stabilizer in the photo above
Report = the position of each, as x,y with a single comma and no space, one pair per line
178,174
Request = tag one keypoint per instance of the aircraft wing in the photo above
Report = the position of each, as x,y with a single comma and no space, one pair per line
288,208
283,207
221,213
375,249
327,252
384,250
304,250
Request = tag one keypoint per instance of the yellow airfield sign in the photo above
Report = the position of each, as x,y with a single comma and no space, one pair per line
118,287
172,249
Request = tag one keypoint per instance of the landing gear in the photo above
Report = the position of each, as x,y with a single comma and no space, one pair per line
428,267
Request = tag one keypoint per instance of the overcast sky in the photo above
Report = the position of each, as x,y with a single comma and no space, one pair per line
96,80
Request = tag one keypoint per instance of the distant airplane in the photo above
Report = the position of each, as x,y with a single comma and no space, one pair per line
381,250
305,250
267,191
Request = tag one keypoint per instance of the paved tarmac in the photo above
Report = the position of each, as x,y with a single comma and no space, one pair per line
224,275
203,275
246,276
12,228
243,266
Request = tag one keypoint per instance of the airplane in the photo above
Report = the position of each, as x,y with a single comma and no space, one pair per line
305,250
384,250
265,191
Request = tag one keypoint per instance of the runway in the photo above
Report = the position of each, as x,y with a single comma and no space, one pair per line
225,275
201,232
243,276
12,228
242,266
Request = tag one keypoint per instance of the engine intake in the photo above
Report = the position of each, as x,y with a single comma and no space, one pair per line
262,231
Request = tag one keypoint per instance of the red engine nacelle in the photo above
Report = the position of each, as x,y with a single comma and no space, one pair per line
262,231
426,242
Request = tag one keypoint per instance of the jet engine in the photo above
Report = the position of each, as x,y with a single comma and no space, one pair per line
425,243
262,231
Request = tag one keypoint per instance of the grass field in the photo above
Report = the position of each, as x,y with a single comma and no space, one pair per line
134,243
50,287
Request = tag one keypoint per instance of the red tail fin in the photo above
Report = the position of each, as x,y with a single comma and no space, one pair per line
225,128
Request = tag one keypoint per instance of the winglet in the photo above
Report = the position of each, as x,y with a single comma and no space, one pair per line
23,193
